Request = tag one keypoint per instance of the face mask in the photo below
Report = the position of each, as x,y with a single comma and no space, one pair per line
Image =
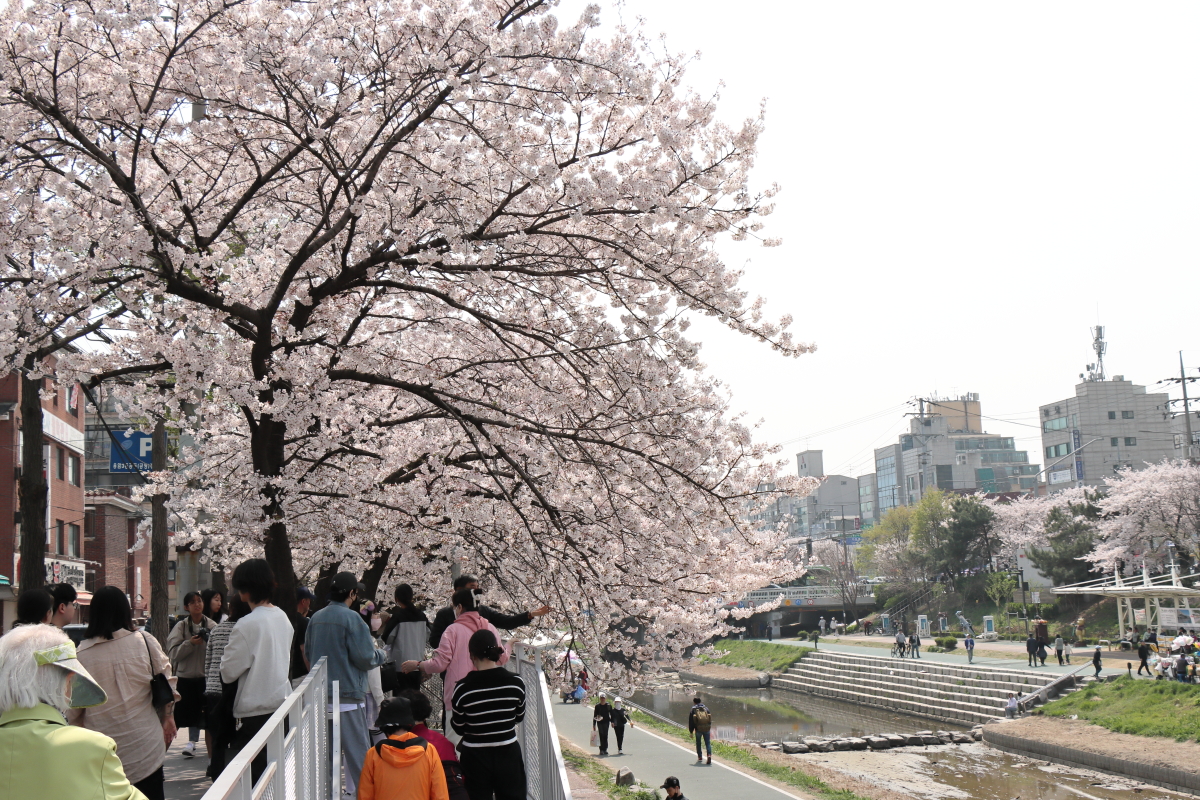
376,624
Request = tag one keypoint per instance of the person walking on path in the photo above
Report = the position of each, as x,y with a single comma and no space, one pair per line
214,606
445,617
1096,660
41,678
487,706
821,625
453,658
421,709
1041,652
257,657
186,645
671,785
218,695
914,644
700,726
404,766
816,637
340,635
601,720
405,634
901,643
969,646
1031,650
620,717
1059,644
1068,648
299,666
1143,657
66,605
123,662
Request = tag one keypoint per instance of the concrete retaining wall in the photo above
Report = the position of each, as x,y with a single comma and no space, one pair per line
724,683
1168,778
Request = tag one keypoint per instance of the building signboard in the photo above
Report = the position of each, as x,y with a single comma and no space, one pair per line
1076,443
130,452
72,572
1061,476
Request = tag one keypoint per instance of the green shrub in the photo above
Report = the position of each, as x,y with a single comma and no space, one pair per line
852,627
947,642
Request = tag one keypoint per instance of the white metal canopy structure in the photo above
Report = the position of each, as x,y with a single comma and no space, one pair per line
1167,600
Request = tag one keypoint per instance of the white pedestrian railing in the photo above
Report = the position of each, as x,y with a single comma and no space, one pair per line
545,770
297,745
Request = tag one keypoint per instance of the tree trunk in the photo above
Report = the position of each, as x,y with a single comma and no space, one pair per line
159,556
31,487
374,574
324,578
268,453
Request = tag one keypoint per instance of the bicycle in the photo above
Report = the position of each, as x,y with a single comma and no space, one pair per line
898,650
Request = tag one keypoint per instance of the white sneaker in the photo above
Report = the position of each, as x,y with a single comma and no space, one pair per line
189,750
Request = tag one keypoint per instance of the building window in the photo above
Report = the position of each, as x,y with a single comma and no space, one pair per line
62,536
73,470
61,466
1126,415
1131,441
73,541
1115,441
1058,450
1056,424
1112,415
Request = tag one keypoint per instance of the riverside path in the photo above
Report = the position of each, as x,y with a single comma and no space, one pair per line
652,756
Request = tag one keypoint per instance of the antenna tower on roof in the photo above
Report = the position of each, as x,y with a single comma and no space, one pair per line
1099,346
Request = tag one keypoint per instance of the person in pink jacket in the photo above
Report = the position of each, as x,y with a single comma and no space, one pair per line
452,657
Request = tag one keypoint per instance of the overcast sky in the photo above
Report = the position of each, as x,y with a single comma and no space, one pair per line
967,189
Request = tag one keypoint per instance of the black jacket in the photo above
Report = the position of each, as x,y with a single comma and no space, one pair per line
619,717
1096,657
1031,645
602,712
1143,651
505,622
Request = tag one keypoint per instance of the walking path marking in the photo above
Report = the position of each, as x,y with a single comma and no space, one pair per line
652,757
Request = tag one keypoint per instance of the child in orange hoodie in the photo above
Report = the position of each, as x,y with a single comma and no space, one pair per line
403,766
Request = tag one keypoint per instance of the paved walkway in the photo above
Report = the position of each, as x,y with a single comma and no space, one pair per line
185,778
959,658
653,756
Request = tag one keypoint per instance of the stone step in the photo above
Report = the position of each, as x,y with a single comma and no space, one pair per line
901,696
964,713
1028,677
914,678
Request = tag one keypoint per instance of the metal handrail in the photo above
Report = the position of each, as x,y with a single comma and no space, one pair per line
1044,692
545,768
296,740
654,714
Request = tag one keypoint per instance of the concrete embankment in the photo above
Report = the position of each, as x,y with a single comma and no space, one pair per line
719,676
1155,760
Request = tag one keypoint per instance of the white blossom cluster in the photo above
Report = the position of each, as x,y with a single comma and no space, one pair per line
414,276
1141,511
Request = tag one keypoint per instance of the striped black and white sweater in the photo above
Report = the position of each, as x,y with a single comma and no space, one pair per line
486,707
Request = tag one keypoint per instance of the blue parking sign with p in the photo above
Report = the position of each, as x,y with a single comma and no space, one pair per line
130,452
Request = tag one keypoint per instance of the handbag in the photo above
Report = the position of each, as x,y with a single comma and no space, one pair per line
161,693
389,681
595,740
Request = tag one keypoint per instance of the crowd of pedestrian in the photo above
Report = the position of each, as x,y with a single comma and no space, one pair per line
112,706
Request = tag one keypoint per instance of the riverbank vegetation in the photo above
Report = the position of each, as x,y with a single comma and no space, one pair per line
1141,707
604,777
760,656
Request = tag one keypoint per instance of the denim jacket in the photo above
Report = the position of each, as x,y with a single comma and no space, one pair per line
344,640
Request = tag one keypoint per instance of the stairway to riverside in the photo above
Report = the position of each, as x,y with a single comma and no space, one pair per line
955,693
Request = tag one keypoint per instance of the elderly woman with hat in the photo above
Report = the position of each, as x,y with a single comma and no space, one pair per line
40,678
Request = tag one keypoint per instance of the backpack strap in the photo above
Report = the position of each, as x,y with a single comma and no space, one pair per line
414,742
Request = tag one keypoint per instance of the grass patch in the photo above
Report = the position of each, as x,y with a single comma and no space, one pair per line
760,656
789,776
1144,708
605,778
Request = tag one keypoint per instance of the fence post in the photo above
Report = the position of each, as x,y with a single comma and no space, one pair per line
335,775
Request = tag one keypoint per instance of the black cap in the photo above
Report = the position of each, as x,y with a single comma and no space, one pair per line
304,593
670,783
396,712
347,582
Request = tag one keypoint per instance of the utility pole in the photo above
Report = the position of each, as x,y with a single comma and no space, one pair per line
158,540
1183,380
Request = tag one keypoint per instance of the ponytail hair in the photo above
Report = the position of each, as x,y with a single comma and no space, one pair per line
484,647
464,598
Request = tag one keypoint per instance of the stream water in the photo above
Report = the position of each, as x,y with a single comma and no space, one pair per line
971,771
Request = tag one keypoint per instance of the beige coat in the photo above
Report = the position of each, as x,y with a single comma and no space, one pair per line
187,659
122,667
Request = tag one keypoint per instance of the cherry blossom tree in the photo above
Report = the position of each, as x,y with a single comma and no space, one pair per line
420,274
1145,512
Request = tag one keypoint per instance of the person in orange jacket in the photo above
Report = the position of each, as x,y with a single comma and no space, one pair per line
403,766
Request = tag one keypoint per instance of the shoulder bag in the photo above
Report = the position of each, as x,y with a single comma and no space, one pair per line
161,693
